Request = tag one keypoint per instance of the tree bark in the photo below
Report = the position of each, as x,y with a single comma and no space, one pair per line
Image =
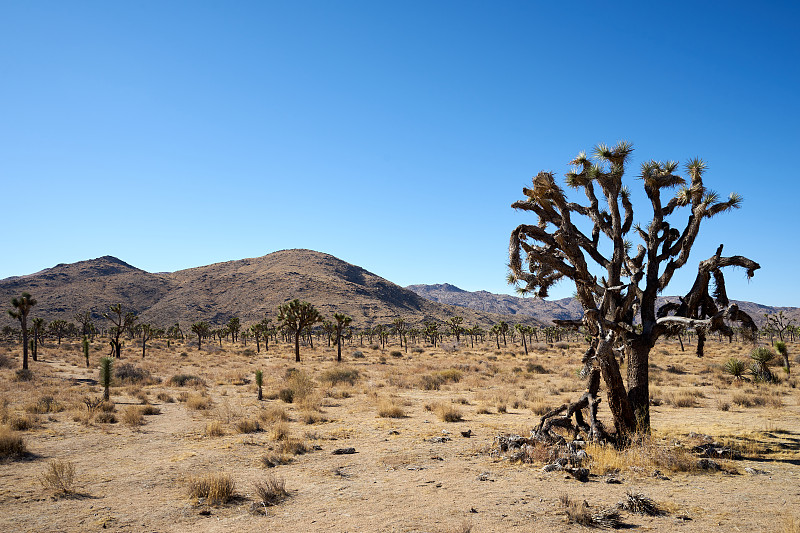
639,384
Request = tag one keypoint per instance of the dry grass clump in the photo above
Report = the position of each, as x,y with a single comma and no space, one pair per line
198,402
214,488
23,423
59,477
389,408
310,416
435,380
299,386
272,459
6,362
273,414
270,491
12,446
164,397
448,413
279,431
215,429
683,399
636,502
335,376
247,425
581,513
644,454
292,446
186,380
128,373
133,416
45,404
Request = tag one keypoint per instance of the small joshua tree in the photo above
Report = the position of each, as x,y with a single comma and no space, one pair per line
105,375
297,316
762,356
22,306
780,346
86,349
259,384
342,321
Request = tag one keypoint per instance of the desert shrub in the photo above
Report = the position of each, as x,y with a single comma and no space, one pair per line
271,460
388,408
149,410
644,453
214,488
762,357
449,413
23,374
535,368
198,402
636,502
247,425
539,347
45,404
105,417
129,373
581,513
270,491
395,353
311,417
286,395
132,416
430,382
59,476
23,423
215,429
417,349
335,376
300,384
184,380
358,355
292,446
248,352
6,362
279,432
12,446
683,399
164,397
274,414
561,345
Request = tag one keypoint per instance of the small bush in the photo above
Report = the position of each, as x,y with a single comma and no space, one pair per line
132,416
24,374
215,488
59,476
683,399
335,376
6,362
286,395
274,414
562,345
149,410
12,446
215,429
164,397
271,460
358,355
129,373
395,353
23,423
417,349
734,367
270,491
184,380
198,402
449,413
290,446
390,409
300,384
45,404
247,425
105,417
534,368
279,431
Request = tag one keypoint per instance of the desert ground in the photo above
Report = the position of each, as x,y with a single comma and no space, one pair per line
186,419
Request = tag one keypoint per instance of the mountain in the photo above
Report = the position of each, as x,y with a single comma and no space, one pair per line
546,311
246,288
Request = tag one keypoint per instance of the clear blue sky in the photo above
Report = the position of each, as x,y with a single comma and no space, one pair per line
394,135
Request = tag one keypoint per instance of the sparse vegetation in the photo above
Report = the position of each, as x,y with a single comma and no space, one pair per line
215,489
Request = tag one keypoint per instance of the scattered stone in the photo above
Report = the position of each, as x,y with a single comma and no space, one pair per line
205,512
484,477
612,480
708,464
581,474
467,433
755,471
394,432
473,510
716,451
659,475
343,451
439,439
316,447
555,467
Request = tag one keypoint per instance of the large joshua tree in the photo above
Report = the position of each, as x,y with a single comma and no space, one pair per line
121,324
620,284
22,307
296,316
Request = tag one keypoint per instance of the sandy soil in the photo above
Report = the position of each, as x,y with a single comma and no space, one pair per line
134,478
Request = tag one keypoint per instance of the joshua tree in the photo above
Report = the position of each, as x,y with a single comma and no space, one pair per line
121,324
201,329
297,316
342,321
400,328
233,327
255,331
622,284
779,323
147,333
503,329
84,318
58,328
105,375
85,346
522,330
38,330
454,324
780,346
22,306
267,329
259,384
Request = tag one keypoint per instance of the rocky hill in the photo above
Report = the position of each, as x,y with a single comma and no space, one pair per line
246,288
546,311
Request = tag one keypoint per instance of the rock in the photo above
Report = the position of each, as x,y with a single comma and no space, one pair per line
394,432
755,471
484,477
659,475
708,464
467,433
716,451
581,474
439,439
343,451
554,467
611,480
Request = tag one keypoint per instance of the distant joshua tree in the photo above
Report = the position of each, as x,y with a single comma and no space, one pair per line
342,321
121,324
233,327
201,329
39,325
22,306
297,316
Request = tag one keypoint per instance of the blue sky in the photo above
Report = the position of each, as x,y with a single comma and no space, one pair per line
394,135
